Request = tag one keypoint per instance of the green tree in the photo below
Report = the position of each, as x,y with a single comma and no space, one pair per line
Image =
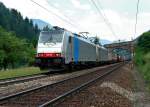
97,41
144,42
46,28
12,20
13,50
142,55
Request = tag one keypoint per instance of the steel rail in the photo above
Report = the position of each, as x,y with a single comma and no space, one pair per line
61,98
38,88
21,79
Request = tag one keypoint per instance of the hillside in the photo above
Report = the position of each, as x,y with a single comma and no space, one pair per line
142,56
18,37
102,41
41,24
12,20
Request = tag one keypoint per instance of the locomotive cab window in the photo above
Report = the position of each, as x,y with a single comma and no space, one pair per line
51,37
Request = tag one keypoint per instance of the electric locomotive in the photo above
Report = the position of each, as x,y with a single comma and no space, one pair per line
64,49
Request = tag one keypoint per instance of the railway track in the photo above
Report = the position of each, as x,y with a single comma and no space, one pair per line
9,81
52,94
20,79
16,80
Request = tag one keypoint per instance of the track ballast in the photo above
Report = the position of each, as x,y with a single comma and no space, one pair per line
53,94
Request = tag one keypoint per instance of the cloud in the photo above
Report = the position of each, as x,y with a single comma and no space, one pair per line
28,8
85,17
122,24
78,5
56,4
143,22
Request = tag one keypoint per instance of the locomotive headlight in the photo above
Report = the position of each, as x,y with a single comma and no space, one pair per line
40,55
58,54
49,55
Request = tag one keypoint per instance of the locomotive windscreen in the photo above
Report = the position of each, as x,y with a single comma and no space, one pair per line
51,37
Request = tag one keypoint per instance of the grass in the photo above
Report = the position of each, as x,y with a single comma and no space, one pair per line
144,68
26,71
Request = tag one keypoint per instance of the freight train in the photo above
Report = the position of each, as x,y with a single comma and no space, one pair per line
62,48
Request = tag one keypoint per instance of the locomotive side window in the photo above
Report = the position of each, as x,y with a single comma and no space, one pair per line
69,39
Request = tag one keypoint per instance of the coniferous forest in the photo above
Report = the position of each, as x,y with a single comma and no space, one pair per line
12,20
18,37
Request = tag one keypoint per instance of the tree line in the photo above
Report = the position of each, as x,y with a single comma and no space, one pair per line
12,20
142,55
18,38
14,51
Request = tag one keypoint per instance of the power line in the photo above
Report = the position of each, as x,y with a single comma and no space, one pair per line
54,14
104,18
103,11
63,14
136,20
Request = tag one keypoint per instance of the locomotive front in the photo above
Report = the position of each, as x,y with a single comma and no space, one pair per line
49,49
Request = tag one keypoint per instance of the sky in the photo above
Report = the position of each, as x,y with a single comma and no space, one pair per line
82,16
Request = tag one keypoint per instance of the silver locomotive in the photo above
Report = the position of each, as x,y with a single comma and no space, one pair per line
61,48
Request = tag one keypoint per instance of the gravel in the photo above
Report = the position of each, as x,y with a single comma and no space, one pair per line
40,96
103,96
14,88
143,96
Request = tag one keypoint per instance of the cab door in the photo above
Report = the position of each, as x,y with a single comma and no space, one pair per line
76,49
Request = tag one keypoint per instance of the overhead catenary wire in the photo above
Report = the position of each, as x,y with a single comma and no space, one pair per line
54,14
103,12
63,14
104,18
136,18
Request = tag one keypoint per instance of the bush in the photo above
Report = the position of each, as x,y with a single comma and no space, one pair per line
142,56
13,50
